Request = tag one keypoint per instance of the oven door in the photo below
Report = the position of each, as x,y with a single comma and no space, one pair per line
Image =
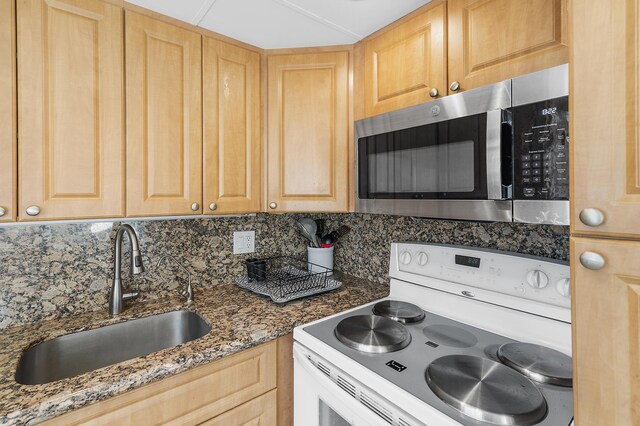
320,401
449,158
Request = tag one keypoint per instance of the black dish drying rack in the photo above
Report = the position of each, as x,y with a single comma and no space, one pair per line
285,278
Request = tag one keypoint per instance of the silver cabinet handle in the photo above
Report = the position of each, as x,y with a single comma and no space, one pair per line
195,207
592,217
2,211
433,93
455,86
272,205
213,206
33,210
592,260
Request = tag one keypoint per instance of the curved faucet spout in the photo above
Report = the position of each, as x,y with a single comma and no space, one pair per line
117,296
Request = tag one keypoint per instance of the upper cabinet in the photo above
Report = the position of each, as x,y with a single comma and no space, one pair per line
232,131
308,133
70,109
164,118
7,112
605,118
405,65
494,40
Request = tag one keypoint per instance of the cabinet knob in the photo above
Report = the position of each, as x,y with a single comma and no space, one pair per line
433,92
195,207
455,86
592,217
213,206
2,211
592,260
272,205
33,210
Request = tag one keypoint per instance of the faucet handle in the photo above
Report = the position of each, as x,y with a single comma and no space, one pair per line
187,293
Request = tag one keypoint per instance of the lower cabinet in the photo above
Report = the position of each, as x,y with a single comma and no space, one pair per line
258,411
605,279
239,389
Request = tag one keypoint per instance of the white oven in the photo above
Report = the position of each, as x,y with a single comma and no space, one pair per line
461,307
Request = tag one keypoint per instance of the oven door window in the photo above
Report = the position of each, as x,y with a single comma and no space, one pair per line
445,160
329,417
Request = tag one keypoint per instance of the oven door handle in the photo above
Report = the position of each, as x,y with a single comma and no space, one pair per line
498,157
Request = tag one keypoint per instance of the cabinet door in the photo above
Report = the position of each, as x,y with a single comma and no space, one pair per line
70,112
231,98
605,118
257,412
606,330
7,112
494,40
308,132
164,118
404,64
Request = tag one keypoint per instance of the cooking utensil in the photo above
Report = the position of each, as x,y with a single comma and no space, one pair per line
308,228
320,224
334,236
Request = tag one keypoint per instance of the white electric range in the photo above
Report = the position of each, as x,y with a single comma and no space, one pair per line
466,337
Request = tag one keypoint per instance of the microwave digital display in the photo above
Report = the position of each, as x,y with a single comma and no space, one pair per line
473,262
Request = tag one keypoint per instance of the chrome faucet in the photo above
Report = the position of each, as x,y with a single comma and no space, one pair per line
116,296
187,293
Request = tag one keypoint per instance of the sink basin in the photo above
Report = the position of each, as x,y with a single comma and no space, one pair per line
74,354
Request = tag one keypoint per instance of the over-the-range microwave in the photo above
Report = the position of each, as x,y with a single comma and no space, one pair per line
496,153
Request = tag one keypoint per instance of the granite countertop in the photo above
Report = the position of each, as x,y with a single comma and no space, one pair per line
239,320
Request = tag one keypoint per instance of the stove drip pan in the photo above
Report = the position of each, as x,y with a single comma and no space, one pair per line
538,363
486,390
373,334
399,311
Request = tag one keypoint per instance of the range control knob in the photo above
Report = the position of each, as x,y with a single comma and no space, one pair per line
405,258
564,287
537,279
422,258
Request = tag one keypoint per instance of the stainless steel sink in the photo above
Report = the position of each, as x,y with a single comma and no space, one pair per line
85,351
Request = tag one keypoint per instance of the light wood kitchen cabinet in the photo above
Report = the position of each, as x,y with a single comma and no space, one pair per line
70,109
606,333
308,132
494,40
257,412
232,131
605,118
199,395
164,118
8,159
405,64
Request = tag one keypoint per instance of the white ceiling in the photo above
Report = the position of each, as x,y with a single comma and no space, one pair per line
272,24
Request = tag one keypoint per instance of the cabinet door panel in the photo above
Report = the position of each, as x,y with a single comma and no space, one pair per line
493,40
231,97
8,147
403,64
70,108
606,330
605,116
164,118
260,411
308,132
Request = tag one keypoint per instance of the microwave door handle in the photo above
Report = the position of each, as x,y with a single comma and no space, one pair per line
494,155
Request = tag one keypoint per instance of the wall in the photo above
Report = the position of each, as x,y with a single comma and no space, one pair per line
49,271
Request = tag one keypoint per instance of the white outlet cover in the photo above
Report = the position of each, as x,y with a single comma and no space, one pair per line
244,242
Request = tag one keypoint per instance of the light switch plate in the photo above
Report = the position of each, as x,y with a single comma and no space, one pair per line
244,242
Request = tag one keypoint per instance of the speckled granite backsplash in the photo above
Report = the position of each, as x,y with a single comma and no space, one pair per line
49,271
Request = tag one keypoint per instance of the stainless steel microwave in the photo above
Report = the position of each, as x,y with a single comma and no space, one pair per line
496,153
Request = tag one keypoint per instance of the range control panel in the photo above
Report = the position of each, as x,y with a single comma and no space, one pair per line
541,144
526,277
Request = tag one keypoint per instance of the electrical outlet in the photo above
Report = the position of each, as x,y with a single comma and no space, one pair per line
244,242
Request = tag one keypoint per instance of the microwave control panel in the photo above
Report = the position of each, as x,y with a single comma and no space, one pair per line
541,150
